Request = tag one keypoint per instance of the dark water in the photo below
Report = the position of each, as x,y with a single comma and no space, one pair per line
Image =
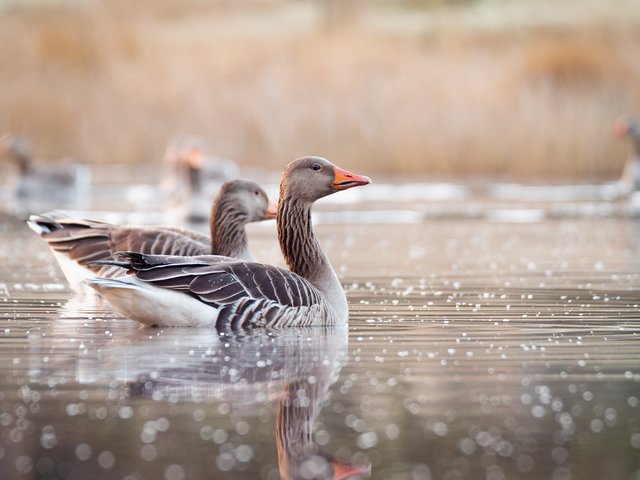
476,349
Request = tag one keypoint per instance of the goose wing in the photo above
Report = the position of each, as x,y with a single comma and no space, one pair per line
222,281
85,241
159,241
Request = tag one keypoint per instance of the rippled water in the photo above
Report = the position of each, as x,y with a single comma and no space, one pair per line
477,348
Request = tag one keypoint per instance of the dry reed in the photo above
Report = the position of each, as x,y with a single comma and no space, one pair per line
113,82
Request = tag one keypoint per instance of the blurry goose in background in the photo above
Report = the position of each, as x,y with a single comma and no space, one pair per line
44,186
76,242
191,177
228,293
629,181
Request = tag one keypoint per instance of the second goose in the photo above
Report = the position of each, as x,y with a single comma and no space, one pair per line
77,242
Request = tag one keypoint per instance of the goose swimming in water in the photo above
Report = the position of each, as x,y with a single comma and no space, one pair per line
77,242
192,177
229,293
66,184
629,181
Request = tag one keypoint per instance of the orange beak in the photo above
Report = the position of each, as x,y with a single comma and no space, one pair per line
343,180
196,158
342,471
272,210
620,129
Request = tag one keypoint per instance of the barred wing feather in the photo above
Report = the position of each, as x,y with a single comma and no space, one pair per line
216,280
85,241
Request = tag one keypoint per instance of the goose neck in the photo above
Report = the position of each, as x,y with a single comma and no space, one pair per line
304,255
228,235
195,180
300,248
24,162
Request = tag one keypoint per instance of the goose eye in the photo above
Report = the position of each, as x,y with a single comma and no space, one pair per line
256,193
316,167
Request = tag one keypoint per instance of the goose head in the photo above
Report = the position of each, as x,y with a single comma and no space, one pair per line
625,127
249,198
15,148
184,156
311,178
318,466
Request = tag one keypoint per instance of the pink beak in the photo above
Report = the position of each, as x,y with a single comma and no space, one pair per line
272,210
620,129
342,471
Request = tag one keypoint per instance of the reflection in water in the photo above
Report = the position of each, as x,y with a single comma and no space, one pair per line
298,454
294,367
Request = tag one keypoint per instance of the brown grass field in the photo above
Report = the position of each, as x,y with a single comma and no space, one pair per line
431,89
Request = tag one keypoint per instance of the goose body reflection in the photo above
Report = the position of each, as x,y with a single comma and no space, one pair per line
226,293
76,242
293,368
296,366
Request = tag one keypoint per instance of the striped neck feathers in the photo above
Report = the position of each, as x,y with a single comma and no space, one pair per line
300,248
228,234
294,428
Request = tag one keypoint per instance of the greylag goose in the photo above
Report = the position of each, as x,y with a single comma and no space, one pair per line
192,177
39,185
228,293
77,242
629,181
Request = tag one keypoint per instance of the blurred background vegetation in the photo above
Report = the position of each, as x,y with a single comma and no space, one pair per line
485,88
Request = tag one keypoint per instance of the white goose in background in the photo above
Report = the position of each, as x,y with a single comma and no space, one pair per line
228,293
42,186
629,181
77,242
191,177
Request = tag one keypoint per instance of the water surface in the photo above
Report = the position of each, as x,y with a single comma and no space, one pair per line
477,348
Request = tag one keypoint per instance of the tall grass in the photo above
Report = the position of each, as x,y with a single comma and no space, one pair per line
112,82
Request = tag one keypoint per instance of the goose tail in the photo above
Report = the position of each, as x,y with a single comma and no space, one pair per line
43,223
153,306
102,284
